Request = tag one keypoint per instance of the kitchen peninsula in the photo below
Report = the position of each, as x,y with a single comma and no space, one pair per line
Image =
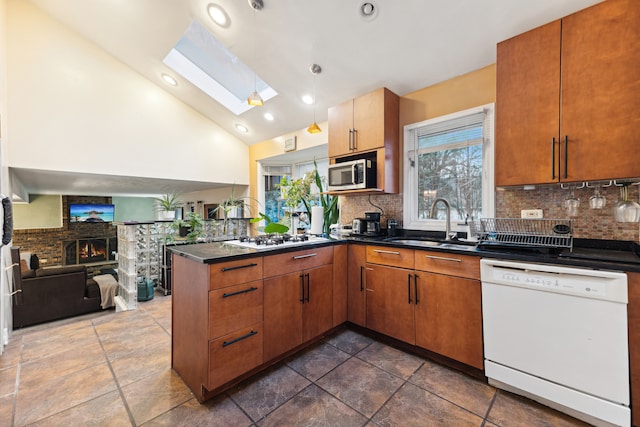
238,310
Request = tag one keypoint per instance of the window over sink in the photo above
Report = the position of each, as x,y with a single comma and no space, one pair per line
449,157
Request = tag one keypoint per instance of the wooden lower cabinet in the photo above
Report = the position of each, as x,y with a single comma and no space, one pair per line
439,312
448,317
356,295
298,307
234,354
390,304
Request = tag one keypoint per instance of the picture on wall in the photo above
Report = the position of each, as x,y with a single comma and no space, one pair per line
210,211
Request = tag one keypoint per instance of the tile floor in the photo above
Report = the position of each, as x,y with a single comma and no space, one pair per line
113,369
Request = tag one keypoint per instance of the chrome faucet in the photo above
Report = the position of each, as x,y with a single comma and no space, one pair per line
448,217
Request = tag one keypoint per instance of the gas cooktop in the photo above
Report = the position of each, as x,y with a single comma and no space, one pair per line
273,241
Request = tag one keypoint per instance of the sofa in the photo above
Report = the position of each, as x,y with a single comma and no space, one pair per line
46,294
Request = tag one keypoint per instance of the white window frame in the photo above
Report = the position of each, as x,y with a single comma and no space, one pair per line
410,211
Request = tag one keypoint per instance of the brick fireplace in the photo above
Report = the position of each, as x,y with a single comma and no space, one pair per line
51,244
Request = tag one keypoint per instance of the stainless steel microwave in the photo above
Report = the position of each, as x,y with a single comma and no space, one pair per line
353,175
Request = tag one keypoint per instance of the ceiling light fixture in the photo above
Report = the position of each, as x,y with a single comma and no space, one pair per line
368,11
255,100
217,13
307,99
313,127
168,79
269,116
242,128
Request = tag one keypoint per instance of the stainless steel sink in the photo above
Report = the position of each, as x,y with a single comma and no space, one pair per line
415,242
432,243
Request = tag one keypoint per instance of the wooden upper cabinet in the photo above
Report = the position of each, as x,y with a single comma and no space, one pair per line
364,124
575,82
527,107
601,91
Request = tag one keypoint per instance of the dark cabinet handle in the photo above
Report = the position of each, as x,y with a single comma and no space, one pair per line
361,282
238,267
566,156
244,337
308,287
553,158
244,291
350,139
302,288
415,287
409,287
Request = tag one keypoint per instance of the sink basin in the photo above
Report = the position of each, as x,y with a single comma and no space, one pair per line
416,242
432,243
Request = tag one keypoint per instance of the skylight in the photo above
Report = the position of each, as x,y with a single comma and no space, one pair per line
200,58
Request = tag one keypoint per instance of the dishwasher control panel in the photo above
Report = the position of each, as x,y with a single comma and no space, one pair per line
588,283
573,284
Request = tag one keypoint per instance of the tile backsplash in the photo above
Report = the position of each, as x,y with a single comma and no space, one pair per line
588,224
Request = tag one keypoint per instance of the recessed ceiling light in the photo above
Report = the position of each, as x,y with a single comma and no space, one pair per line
218,14
307,99
268,116
368,11
242,128
169,80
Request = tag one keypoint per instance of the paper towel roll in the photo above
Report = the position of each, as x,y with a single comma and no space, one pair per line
317,219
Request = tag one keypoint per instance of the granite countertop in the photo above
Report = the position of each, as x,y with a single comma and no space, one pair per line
618,256
210,253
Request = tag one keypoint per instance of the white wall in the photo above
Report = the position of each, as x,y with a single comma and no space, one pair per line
5,258
73,107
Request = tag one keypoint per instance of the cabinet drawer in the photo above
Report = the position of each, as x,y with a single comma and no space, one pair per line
235,307
385,255
448,263
234,272
234,354
276,265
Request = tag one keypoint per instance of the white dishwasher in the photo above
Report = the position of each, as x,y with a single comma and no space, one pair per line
559,336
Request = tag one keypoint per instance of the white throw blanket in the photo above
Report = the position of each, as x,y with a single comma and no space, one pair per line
108,290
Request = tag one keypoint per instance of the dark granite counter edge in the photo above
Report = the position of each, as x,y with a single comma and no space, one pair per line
244,253
236,253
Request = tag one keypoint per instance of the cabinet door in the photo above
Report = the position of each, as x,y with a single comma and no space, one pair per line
600,91
373,116
449,317
528,107
282,314
356,295
340,292
234,354
317,313
340,124
390,308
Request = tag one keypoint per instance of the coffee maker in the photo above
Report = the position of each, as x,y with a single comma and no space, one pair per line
371,223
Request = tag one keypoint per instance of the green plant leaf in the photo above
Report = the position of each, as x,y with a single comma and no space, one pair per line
274,227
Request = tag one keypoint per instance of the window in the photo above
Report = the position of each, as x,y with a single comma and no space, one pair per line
273,205
269,193
449,157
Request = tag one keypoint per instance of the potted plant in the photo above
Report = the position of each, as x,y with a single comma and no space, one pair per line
328,202
232,207
299,191
167,204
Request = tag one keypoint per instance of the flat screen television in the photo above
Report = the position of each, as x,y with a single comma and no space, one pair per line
91,213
